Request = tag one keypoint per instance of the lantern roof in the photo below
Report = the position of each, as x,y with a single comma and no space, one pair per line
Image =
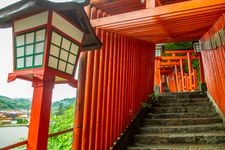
72,10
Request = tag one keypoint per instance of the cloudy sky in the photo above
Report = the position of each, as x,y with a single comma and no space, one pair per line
20,88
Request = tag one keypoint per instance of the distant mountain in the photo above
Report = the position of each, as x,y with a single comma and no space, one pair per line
7,103
63,104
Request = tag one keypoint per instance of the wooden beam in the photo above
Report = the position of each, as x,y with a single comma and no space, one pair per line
157,11
178,57
178,51
169,63
185,21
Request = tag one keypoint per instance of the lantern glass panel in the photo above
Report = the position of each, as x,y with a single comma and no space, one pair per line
20,40
20,63
66,44
74,49
53,62
29,61
20,51
40,35
69,69
72,59
62,65
56,39
63,54
39,47
54,50
30,38
38,60
30,48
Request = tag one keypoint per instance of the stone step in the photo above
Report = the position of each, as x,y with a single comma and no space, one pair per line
181,138
178,147
207,103
183,100
182,115
183,129
192,95
182,121
197,109
184,94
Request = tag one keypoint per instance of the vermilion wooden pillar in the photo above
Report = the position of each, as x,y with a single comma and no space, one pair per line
109,92
202,74
189,70
94,14
87,101
40,113
79,108
182,74
104,90
177,82
157,75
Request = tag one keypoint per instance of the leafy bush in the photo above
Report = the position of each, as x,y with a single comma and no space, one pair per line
59,123
22,121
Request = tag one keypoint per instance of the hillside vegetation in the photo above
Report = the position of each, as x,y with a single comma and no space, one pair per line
7,103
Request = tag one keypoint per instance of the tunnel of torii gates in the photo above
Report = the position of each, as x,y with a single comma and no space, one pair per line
115,80
169,71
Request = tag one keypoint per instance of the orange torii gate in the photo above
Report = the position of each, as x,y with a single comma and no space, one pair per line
172,67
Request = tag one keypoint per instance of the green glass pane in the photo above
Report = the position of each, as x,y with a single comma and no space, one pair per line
29,61
20,40
40,35
64,55
62,66
29,49
39,47
30,38
38,60
20,63
20,51
54,50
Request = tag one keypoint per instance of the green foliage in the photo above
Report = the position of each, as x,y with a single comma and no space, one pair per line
178,46
62,105
59,123
154,96
146,105
21,121
195,64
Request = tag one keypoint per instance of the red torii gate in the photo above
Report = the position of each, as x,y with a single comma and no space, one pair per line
172,67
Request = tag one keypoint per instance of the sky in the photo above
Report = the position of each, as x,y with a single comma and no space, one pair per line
20,88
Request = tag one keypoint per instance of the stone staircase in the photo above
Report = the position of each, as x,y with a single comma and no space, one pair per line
184,121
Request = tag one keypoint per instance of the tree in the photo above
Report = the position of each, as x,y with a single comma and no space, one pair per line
178,46
58,123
